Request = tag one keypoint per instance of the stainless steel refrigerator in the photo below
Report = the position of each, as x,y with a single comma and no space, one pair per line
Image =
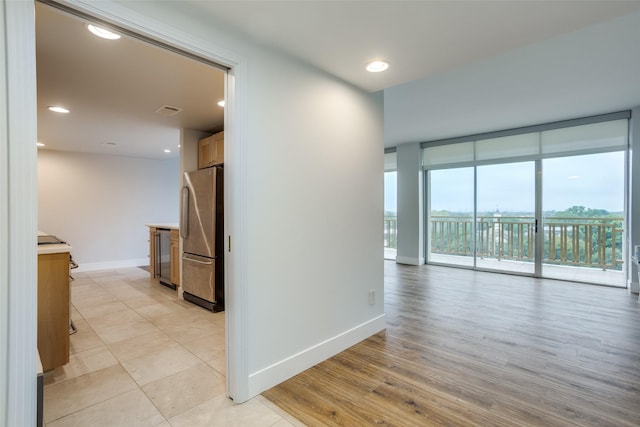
202,229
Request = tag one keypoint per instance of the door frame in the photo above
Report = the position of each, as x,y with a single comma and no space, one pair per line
21,79
18,215
234,149
538,249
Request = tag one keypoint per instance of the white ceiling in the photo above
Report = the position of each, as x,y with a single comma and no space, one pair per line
418,38
113,88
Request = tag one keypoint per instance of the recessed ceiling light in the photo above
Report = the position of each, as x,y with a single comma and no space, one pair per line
58,109
166,150
178,145
377,66
102,32
221,103
40,144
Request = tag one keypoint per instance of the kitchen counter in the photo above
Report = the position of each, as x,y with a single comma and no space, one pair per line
167,225
52,248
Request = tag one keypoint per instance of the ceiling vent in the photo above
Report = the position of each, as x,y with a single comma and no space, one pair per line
168,110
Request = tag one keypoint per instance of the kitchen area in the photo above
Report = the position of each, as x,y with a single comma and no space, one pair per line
131,309
88,322
189,256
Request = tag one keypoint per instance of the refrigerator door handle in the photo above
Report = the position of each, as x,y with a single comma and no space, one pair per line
184,226
186,258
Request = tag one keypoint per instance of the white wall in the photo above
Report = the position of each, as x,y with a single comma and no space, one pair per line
306,161
101,203
315,204
591,71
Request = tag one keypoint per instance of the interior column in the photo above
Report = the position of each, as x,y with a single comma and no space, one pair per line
410,205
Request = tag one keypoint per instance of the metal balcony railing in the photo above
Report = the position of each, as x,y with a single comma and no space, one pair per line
390,232
583,242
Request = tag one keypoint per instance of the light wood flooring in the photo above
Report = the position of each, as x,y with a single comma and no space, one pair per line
481,349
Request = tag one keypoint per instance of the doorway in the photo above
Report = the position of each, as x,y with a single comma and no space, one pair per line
229,89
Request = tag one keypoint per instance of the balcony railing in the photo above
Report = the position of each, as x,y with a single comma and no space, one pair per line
390,232
583,242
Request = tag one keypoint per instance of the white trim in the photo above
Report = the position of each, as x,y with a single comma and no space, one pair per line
19,221
409,260
281,371
141,24
5,225
235,165
632,210
110,265
236,295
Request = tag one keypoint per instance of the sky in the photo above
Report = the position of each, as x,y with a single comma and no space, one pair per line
595,181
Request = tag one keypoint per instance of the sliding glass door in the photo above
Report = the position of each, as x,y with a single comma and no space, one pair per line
505,209
583,217
483,217
390,215
548,203
451,217
390,224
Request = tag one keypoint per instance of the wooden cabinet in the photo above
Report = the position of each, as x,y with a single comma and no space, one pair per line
211,150
175,257
53,309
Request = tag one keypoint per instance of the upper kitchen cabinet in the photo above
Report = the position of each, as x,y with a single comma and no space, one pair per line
211,150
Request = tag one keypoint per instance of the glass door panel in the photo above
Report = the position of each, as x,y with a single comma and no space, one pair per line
583,217
505,218
450,217
390,215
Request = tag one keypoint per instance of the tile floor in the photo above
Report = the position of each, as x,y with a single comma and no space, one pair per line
143,357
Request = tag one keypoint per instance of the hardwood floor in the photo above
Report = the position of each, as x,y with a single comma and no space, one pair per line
482,349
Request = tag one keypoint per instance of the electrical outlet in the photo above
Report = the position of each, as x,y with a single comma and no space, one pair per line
372,297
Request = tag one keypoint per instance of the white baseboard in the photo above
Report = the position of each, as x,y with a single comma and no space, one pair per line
409,260
281,371
110,265
634,288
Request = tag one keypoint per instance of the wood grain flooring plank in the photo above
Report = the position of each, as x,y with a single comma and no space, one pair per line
470,348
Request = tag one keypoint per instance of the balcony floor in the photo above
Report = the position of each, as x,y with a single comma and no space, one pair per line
560,272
